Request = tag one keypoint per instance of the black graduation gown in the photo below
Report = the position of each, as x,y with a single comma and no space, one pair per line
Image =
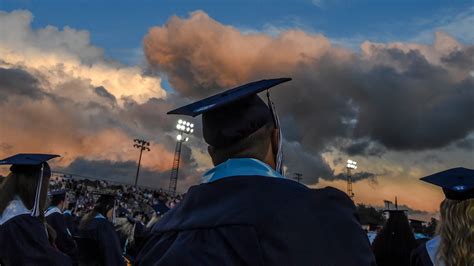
71,223
107,240
256,220
64,240
23,241
420,257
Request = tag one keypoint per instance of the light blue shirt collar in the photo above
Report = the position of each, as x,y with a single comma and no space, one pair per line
432,248
14,208
240,167
51,210
99,216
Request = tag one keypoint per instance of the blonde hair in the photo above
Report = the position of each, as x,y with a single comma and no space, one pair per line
127,228
457,232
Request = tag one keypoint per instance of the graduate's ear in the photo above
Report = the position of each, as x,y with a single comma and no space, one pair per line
211,152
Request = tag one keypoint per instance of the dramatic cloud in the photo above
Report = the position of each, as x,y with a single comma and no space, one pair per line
57,56
401,110
59,95
394,96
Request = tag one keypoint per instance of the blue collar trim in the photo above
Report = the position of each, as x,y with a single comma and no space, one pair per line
68,212
51,210
432,249
240,167
99,216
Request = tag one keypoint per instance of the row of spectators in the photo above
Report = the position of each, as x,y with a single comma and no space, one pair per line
133,200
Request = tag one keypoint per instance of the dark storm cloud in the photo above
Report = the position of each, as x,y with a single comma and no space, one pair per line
18,82
357,176
462,59
124,172
364,147
419,108
101,91
395,96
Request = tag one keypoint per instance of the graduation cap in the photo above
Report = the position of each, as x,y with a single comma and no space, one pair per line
235,114
59,194
457,183
160,208
107,200
33,164
395,212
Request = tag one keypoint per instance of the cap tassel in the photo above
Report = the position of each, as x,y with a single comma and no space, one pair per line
276,120
36,206
113,214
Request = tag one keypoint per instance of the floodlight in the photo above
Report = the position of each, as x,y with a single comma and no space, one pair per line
191,131
178,126
180,121
192,125
179,137
186,139
188,129
187,124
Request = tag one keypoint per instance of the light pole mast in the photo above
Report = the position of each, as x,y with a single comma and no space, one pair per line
183,128
142,145
298,177
350,165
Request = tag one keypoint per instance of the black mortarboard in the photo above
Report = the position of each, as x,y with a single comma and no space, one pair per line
27,162
160,208
107,201
34,164
396,212
457,183
58,194
105,197
235,114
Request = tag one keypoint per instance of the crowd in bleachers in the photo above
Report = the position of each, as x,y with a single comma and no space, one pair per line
136,201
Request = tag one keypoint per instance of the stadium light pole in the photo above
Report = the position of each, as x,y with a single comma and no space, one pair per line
351,165
184,128
142,145
298,177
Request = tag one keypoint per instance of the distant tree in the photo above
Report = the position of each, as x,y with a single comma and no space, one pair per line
370,215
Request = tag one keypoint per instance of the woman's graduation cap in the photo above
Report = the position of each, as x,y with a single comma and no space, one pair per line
33,164
234,114
457,183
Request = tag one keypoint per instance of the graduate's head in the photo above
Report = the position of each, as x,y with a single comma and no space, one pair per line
242,129
456,227
105,205
29,177
239,124
58,198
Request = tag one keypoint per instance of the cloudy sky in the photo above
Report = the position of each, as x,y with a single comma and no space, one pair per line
387,83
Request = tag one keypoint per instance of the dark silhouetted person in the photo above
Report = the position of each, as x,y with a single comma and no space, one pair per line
395,242
23,233
55,218
99,243
246,212
454,244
